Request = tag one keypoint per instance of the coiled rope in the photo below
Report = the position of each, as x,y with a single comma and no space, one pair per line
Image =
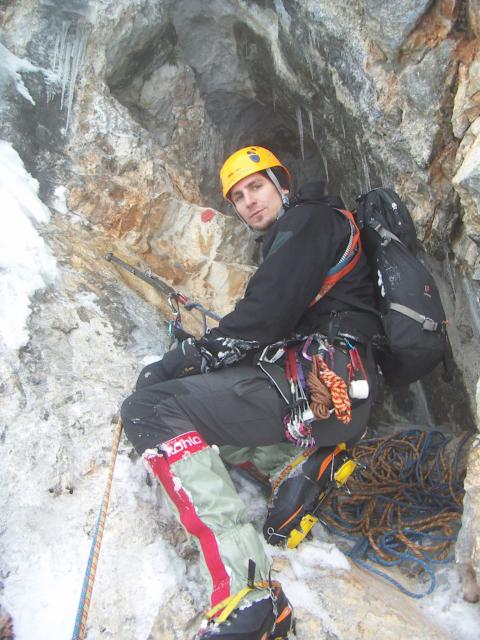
405,503
87,587
327,390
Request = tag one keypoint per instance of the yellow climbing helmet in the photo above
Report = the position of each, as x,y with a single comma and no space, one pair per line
245,162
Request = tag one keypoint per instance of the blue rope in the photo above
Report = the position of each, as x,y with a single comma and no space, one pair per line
86,581
403,492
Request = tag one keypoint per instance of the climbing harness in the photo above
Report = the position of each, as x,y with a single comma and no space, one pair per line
405,503
321,392
87,587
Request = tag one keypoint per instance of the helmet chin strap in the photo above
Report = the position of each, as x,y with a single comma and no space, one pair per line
274,179
245,224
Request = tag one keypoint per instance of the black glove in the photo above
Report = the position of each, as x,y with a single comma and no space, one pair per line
184,360
222,351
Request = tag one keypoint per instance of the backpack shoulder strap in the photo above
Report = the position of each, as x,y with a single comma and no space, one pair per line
347,262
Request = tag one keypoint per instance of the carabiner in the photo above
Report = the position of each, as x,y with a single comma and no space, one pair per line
173,304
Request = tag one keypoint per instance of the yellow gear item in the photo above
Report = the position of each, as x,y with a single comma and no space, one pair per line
246,162
296,536
227,606
344,472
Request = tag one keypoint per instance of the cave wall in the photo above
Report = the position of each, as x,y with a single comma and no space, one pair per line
136,104
356,94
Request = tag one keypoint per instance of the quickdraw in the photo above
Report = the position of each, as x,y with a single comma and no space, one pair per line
297,421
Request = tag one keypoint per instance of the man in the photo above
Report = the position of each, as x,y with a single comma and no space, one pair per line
231,390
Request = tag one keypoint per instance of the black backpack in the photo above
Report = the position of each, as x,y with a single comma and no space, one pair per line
408,301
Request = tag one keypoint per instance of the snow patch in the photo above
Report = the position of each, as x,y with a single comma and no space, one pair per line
59,200
150,359
447,607
26,262
87,299
11,67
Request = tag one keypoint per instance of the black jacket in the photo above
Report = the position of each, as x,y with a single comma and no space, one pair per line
298,250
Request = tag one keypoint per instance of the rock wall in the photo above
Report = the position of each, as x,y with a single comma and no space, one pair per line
354,93
134,104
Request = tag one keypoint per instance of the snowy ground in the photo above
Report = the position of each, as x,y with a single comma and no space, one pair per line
55,438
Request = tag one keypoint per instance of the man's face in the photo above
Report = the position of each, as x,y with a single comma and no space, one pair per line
257,201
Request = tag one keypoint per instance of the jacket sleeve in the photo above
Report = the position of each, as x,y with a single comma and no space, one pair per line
306,244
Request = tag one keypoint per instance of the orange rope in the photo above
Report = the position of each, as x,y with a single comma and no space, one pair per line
327,389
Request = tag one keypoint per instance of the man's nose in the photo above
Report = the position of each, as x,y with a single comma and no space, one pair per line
250,199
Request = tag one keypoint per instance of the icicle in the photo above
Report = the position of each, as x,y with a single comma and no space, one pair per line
310,66
78,51
65,71
310,117
300,130
55,52
50,89
61,48
366,172
325,166
343,128
68,56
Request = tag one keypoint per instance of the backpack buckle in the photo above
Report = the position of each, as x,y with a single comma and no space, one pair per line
429,325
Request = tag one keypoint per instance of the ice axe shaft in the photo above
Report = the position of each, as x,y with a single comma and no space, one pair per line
155,281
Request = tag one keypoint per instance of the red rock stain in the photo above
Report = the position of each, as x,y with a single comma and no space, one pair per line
207,215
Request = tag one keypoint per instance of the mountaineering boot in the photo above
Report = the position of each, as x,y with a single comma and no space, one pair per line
299,490
270,617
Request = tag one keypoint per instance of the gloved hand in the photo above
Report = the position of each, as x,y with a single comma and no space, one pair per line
180,334
223,350
184,360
